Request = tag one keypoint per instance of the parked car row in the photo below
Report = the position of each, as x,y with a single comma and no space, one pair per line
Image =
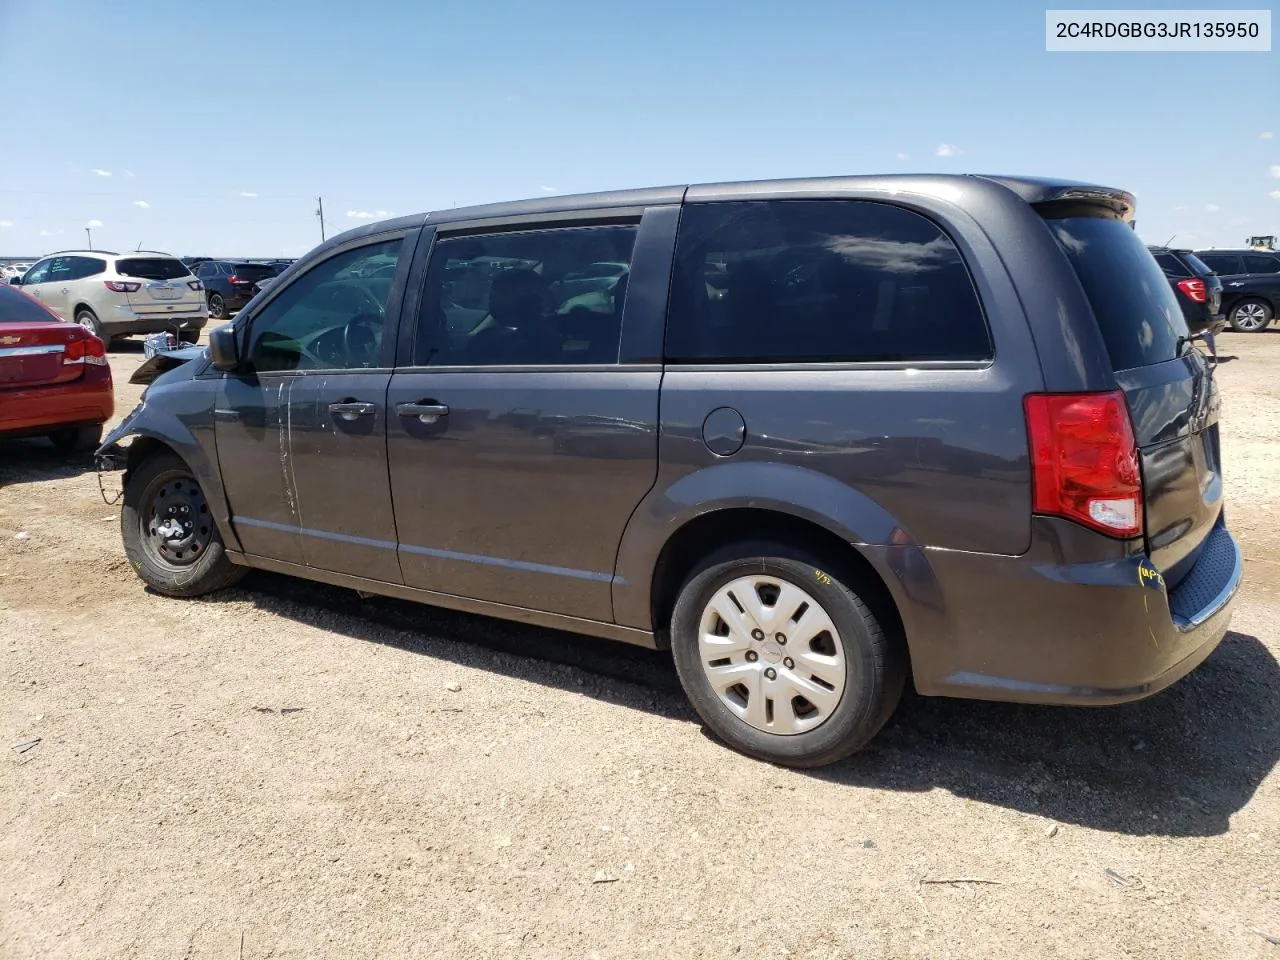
818,437
1217,288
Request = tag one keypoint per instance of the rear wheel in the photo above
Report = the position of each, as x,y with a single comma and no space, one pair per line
89,320
217,307
1250,316
169,535
781,658
77,439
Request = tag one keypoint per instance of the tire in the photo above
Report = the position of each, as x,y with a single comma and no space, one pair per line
191,563
1250,316
89,320
864,669
217,307
77,439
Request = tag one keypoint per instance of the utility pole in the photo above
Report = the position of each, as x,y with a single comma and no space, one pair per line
320,214
88,232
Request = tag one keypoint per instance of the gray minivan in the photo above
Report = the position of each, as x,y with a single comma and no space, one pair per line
816,436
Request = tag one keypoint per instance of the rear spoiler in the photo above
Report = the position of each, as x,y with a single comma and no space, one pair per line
1054,199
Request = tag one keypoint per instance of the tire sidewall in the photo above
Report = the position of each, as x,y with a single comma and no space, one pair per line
1267,312
208,572
94,325
870,676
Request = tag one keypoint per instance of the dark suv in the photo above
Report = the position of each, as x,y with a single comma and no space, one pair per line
230,283
1198,289
818,437
1250,286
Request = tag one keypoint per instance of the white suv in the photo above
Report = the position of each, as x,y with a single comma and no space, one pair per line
114,295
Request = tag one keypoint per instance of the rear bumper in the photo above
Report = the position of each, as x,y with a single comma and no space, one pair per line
40,409
1088,633
125,320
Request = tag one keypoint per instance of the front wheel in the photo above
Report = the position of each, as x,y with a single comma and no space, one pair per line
169,535
217,307
1250,316
781,658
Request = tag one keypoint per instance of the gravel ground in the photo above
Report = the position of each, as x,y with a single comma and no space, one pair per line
286,770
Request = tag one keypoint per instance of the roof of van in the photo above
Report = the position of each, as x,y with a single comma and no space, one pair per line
1033,190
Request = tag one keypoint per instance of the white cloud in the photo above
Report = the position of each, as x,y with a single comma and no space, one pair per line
1265,135
99,172
93,224
368,214
248,193
1274,194
903,155
6,223
142,204
1211,208
1275,169
948,150
548,189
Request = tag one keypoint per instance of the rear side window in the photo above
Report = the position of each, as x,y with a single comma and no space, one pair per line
819,281
152,268
17,307
1135,307
256,271
1261,264
1195,263
1171,265
1224,265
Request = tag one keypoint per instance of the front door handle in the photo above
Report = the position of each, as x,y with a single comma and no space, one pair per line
426,412
353,410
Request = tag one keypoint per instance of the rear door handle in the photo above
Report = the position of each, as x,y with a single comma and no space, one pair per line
426,412
352,409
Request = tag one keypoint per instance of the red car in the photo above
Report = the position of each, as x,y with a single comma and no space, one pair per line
54,378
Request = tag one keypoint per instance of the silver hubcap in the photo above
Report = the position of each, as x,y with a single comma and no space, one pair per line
772,654
86,323
1250,316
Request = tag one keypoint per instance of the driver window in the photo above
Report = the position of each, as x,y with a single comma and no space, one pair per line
39,273
329,318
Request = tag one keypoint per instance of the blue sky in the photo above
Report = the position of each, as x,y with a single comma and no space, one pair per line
206,128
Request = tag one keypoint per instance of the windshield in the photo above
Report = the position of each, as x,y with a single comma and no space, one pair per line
1136,308
152,268
17,307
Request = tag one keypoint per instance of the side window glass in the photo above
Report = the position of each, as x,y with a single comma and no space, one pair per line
83,267
1261,264
1223,266
39,273
60,270
813,281
330,318
536,298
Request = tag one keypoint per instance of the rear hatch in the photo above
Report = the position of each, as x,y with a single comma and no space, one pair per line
36,348
245,275
1168,384
165,285
1212,282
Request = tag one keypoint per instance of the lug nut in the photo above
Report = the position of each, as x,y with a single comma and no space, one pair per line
788,663
757,634
781,638
752,656
771,674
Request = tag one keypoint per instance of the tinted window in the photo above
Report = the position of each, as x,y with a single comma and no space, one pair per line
1222,264
16,307
1171,265
1195,263
542,297
87,267
256,271
800,280
1134,305
1254,263
330,317
60,270
152,268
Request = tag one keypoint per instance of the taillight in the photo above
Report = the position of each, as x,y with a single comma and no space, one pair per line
1084,460
122,286
1193,288
88,349
195,285
235,279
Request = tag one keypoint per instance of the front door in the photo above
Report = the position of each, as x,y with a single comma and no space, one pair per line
301,432
519,445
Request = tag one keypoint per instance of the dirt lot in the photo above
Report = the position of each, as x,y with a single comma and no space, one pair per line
283,771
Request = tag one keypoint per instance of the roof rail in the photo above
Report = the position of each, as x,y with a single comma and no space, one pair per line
105,253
